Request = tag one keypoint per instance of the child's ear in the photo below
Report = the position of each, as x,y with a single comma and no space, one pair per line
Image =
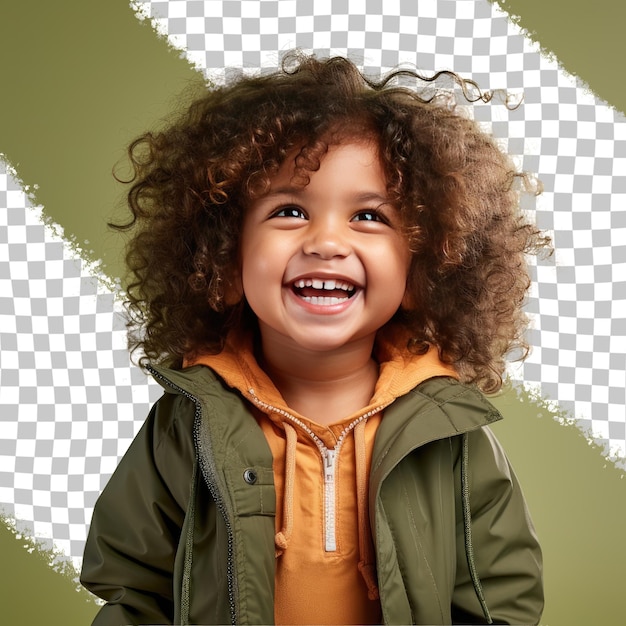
233,289
408,300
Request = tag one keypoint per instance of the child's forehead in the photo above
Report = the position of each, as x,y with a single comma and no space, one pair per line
294,162
348,171
308,158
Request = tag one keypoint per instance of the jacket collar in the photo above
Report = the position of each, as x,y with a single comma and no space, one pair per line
426,400
436,409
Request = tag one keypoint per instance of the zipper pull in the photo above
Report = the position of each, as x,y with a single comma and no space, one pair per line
329,466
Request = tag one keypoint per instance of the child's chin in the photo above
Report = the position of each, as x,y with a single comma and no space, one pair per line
329,344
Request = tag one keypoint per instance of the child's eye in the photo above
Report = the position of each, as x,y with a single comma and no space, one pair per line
289,211
370,215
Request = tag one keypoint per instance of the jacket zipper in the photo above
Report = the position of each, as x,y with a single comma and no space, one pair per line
209,473
329,459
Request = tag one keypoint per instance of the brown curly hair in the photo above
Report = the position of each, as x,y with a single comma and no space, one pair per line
454,187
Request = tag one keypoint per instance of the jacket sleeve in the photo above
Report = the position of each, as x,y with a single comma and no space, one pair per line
502,552
132,542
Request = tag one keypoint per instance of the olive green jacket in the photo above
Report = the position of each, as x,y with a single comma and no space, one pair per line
182,534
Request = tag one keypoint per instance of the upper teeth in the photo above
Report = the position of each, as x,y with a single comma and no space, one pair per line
327,285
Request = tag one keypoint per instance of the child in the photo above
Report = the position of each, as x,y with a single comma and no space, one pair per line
326,270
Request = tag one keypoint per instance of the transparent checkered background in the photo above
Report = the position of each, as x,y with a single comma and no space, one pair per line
70,402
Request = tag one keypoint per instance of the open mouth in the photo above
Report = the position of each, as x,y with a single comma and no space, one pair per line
323,291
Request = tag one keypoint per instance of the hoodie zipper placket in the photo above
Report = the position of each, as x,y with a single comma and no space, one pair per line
209,471
329,460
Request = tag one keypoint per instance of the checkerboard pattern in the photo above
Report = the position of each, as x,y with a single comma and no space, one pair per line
70,401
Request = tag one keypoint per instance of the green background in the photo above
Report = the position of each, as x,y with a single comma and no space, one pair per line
80,79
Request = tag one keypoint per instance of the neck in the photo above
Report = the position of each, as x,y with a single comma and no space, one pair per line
325,387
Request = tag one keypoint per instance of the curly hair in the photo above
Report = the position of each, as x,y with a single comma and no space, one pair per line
455,189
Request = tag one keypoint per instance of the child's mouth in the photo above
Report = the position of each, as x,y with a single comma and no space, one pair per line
323,291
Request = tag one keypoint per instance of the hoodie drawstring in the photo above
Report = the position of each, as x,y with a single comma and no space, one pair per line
282,537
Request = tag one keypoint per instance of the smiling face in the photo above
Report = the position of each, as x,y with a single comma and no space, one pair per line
325,265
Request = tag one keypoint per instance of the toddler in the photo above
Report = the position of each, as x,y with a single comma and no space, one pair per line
327,272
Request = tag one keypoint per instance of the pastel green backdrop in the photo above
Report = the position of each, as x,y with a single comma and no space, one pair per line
80,79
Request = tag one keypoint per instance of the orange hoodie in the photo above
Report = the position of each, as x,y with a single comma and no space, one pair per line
325,572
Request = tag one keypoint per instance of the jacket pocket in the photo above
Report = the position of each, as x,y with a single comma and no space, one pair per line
252,490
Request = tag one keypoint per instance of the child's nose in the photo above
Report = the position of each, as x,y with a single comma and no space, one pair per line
326,240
